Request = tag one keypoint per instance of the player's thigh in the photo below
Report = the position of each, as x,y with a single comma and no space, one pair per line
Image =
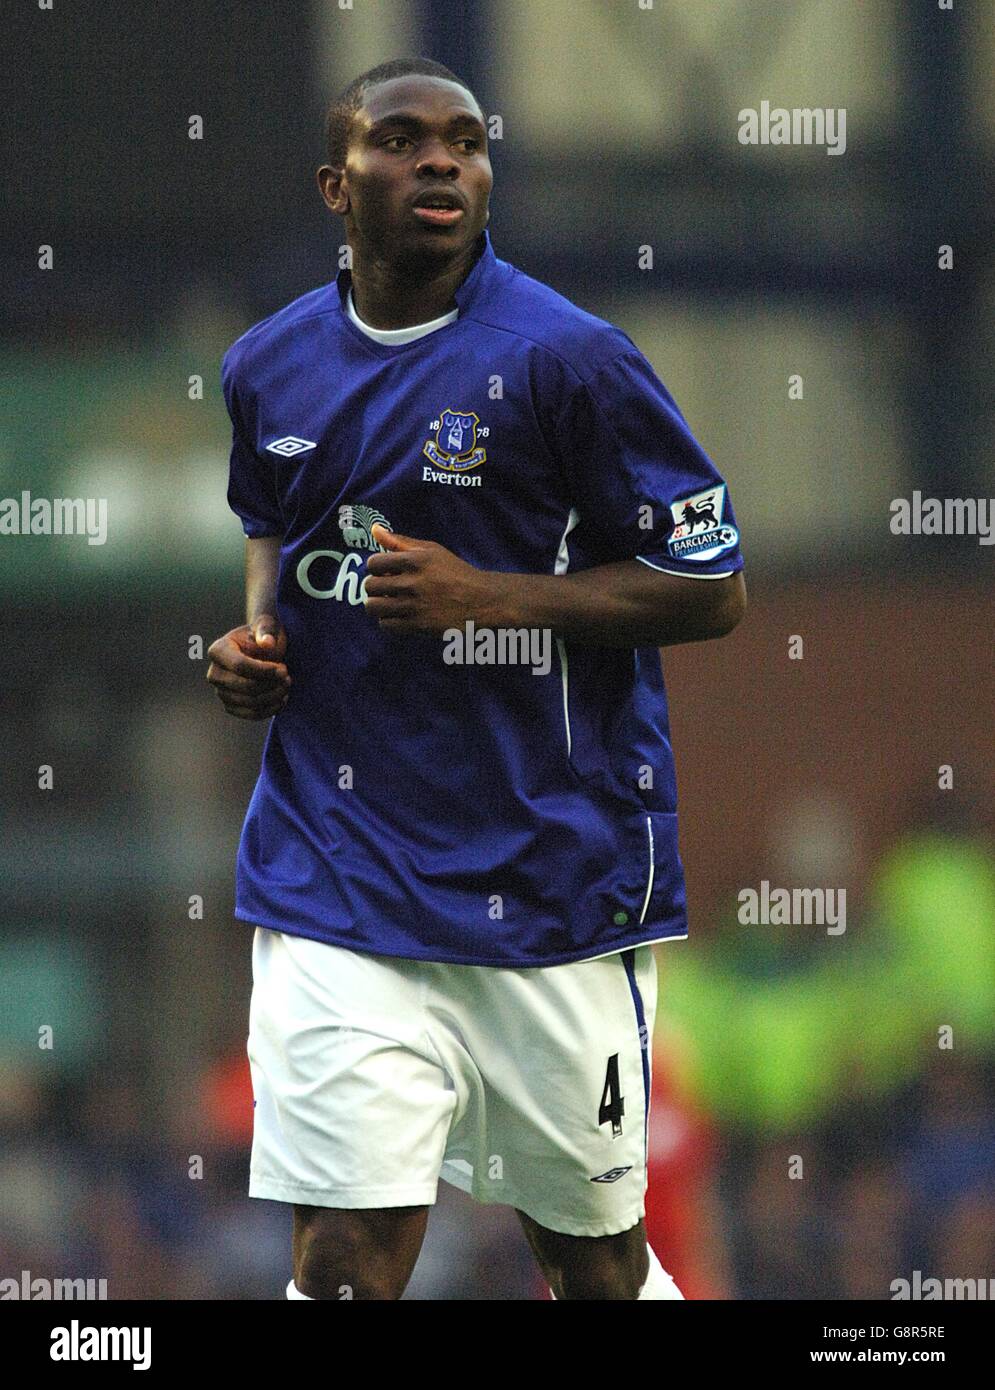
356,1254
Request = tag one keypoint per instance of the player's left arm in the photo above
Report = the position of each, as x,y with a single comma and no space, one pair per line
626,604
628,457
420,586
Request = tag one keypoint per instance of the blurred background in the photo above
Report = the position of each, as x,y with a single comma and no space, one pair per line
867,765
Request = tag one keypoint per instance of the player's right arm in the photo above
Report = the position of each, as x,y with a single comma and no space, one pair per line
248,667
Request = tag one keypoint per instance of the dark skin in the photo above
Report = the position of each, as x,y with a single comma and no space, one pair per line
412,137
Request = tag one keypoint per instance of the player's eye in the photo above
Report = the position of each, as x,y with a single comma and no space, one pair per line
392,141
471,143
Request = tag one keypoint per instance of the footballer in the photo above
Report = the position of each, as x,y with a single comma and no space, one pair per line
456,871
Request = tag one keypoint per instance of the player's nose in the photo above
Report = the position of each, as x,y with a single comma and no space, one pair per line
438,160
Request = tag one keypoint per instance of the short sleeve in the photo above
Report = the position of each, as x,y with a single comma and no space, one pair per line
252,486
643,486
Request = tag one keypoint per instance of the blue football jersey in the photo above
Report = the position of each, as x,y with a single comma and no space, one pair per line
482,814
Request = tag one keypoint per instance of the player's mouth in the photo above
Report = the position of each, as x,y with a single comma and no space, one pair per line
439,209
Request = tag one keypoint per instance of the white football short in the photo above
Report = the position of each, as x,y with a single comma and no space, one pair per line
373,1076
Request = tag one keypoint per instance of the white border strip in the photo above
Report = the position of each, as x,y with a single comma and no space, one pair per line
683,574
634,946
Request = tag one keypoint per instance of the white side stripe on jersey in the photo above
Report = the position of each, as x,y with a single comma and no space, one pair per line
562,652
560,566
649,884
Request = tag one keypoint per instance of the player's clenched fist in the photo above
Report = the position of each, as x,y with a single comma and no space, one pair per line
248,669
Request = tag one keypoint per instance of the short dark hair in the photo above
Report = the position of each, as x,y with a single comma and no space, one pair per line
348,102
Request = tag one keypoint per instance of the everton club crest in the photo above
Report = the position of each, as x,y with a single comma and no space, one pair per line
454,447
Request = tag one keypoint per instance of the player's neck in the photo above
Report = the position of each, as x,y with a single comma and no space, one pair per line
388,294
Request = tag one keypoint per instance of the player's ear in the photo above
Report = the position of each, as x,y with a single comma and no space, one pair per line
331,182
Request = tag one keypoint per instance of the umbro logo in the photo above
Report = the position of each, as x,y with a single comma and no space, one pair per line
290,445
613,1174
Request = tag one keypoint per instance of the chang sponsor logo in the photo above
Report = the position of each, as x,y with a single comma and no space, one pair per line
356,523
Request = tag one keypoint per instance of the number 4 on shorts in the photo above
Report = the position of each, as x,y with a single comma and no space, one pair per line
612,1100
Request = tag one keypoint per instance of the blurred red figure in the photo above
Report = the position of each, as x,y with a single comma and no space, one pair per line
227,1098
682,1214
